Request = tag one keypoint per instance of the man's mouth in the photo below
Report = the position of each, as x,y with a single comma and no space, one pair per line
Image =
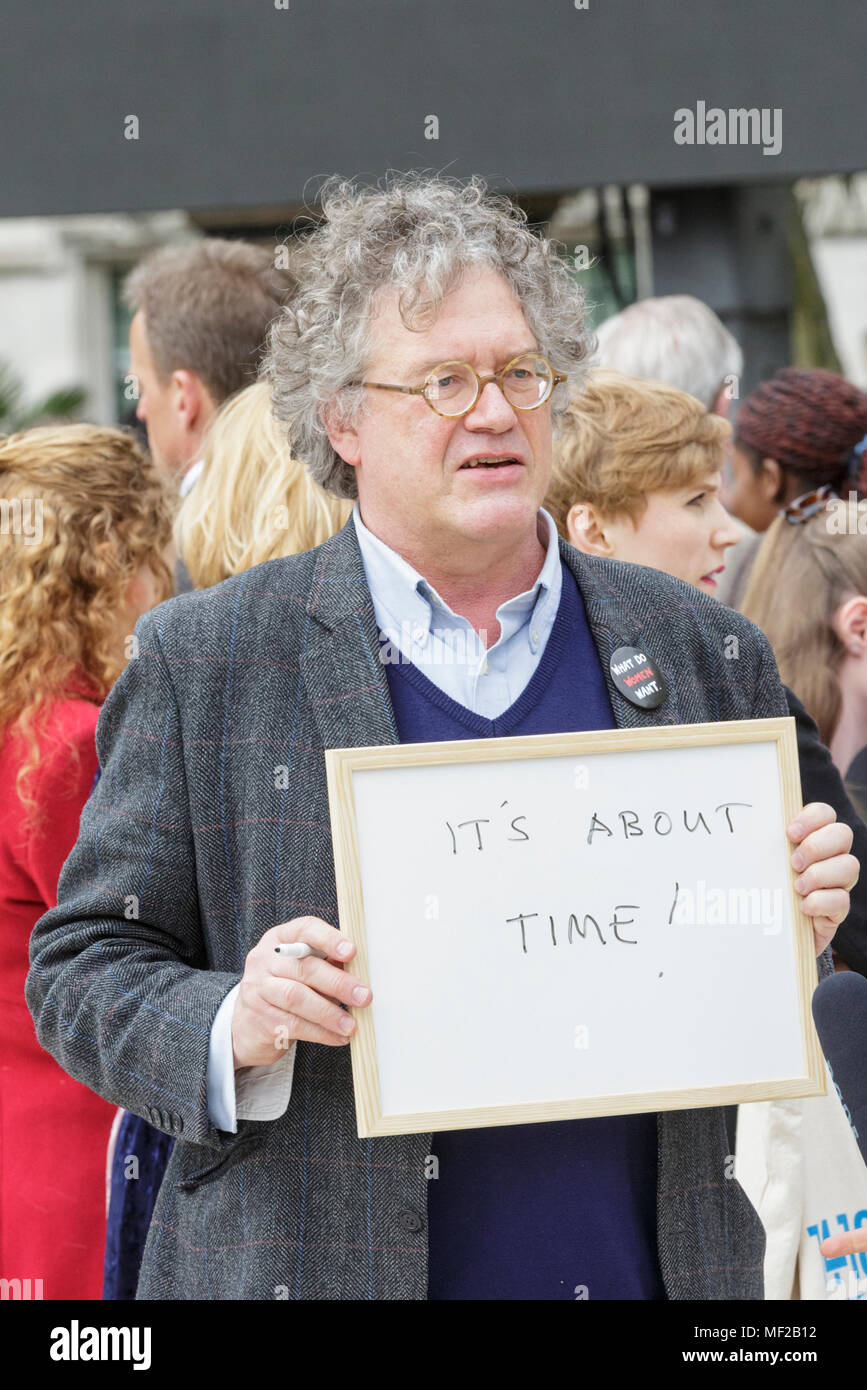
491,461
710,577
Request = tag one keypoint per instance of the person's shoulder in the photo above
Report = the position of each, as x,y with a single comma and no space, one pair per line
66,734
282,584
692,632
72,717
63,723
651,595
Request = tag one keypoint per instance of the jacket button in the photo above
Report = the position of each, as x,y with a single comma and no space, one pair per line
410,1220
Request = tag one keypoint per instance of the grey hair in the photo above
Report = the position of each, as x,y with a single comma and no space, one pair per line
416,234
675,339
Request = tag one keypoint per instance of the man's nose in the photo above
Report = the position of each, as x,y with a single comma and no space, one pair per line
491,411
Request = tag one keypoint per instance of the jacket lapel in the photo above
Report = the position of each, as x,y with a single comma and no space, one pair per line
348,691
345,680
347,684
613,624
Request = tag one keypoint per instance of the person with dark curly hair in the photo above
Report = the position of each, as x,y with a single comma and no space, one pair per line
85,531
794,434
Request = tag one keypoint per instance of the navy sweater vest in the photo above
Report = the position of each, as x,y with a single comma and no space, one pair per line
542,1211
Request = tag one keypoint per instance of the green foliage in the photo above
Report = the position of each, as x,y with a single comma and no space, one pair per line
812,343
16,414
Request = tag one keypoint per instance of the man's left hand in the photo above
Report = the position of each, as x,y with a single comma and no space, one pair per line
826,870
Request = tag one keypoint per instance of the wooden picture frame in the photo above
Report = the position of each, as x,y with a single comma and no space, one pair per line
346,764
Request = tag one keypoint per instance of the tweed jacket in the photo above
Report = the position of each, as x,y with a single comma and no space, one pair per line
210,824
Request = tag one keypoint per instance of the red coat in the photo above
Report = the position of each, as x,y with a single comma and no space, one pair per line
53,1130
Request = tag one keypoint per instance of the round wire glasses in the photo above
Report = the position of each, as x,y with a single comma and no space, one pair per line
451,389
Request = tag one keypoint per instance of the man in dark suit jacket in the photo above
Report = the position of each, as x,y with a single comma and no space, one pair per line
207,841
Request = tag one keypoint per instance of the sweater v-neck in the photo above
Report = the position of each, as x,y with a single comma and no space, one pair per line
479,725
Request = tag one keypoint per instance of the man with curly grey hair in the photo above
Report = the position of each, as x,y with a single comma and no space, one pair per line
419,369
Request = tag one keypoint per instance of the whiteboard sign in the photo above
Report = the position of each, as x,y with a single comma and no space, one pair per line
574,924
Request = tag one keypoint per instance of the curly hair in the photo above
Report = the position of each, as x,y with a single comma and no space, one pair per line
103,512
417,234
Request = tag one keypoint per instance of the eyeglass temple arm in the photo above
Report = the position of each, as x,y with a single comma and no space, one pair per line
556,380
405,390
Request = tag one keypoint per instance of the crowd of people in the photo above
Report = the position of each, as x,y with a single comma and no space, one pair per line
413,431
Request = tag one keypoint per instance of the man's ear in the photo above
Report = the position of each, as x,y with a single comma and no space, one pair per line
586,531
850,624
343,437
193,400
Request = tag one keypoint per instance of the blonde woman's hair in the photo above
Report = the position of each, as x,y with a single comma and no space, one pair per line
622,438
253,501
800,577
81,510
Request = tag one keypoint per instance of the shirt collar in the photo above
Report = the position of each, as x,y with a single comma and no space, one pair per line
190,478
403,596
537,605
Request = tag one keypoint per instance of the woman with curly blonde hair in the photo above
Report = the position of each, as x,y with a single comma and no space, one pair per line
85,531
253,501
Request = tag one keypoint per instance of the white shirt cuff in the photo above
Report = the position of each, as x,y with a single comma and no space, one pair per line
250,1093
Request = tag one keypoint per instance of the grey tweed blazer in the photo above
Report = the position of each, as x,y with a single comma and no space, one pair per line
191,847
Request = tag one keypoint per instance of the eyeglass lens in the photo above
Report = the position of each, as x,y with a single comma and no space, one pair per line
452,389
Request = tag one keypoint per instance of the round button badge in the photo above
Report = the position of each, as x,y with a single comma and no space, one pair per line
638,677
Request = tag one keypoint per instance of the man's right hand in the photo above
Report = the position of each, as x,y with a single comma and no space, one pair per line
282,1001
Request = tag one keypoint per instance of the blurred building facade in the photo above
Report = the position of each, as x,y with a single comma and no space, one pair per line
63,321
62,318
231,115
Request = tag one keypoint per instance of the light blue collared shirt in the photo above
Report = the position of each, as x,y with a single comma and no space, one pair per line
422,628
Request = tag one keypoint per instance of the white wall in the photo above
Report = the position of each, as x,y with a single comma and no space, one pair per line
841,266
55,297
